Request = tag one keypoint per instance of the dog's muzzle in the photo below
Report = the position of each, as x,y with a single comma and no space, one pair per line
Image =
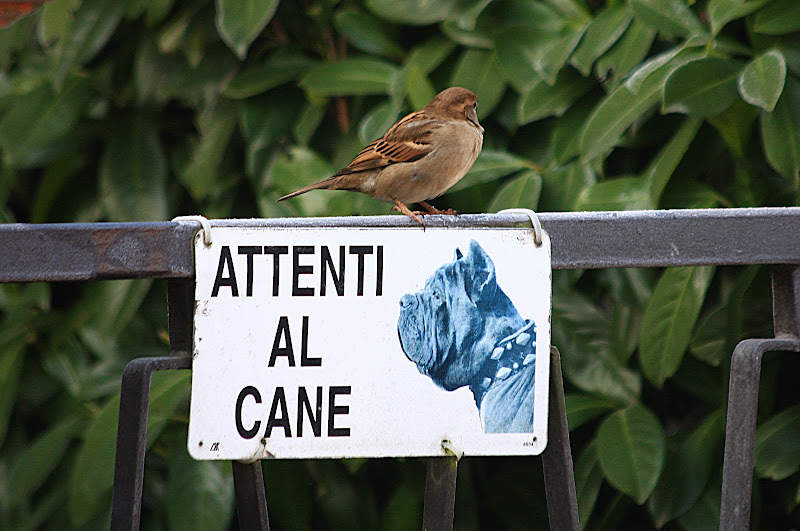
411,331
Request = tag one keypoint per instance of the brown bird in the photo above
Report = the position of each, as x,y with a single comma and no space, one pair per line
419,158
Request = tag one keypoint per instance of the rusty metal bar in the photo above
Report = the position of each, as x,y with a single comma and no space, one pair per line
580,240
95,251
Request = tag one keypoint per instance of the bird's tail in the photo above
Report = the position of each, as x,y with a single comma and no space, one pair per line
323,184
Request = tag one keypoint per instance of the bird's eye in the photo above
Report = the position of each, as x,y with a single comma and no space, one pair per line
475,105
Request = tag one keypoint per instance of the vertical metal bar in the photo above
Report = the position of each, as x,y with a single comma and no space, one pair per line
251,499
440,493
559,478
180,310
740,429
134,404
786,301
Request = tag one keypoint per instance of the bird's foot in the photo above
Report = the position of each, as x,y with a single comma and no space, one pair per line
433,210
401,207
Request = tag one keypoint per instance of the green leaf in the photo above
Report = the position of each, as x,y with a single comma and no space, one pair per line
778,18
780,132
584,408
414,12
281,67
669,320
588,479
631,447
621,193
736,126
477,70
553,100
11,358
240,21
357,76
561,187
429,55
216,125
627,103
601,34
298,167
626,53
35,464
93,474
307,122
554,54
777,453
95,22
663,165
532,42
583,334
565,140
56,20
200,494
705,513
492,164
404,506
718,332
521,192
38,121
377,121
761,82
571,9
687,471
672,17
290,500
701,88
264,121
720,12
133,172
365,33
418,87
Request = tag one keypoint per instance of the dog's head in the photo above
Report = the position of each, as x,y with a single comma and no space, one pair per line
450,326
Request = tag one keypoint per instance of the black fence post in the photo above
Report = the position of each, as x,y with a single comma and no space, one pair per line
134,404
559,478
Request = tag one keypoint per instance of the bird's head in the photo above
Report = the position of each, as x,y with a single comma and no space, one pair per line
456,103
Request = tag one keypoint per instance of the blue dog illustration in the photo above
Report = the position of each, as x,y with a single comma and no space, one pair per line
463,330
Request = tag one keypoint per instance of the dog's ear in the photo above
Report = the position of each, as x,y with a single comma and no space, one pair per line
482,283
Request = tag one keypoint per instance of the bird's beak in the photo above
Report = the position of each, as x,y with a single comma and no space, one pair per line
472,116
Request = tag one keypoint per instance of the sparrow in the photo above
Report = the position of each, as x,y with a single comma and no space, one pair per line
419,158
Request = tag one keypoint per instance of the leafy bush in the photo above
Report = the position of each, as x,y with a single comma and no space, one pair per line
143,110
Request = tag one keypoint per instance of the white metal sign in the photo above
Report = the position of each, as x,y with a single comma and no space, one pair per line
371,342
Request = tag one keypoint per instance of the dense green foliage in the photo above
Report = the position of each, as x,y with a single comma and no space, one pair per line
114,110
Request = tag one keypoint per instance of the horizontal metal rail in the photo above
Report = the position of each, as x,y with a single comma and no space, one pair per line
580,240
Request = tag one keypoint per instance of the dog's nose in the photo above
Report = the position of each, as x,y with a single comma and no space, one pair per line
407,300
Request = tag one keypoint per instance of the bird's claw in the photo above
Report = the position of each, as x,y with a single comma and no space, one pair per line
401,207
433,210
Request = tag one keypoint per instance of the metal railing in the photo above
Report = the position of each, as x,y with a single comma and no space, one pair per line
587,240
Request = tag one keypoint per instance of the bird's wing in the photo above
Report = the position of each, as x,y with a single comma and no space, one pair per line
408,140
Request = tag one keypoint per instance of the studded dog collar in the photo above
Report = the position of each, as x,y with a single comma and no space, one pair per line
510,355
